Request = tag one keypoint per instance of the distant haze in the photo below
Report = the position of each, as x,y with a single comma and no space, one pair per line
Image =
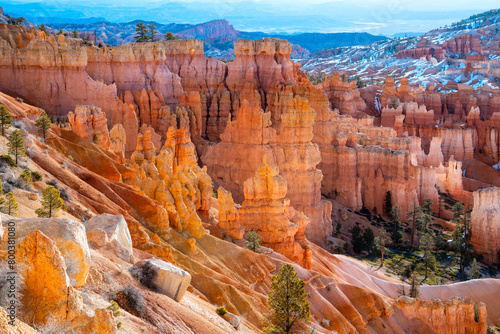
377,17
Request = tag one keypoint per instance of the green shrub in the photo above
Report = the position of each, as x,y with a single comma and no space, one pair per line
26,176
115,308
221,310
95,138
36,176
8,160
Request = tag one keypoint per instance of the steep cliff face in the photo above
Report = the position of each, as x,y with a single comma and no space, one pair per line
486,223
251,137
463,45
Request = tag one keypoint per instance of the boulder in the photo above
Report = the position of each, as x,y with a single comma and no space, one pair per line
68,235
233,319
163,277
97,238
116,228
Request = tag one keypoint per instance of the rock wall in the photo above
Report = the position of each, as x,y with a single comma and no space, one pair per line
486,223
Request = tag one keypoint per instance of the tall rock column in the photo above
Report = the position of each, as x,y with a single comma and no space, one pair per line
266,210
486,223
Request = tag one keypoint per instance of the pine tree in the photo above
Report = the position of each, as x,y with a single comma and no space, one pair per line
169,36
380,242
43,123
141,33
414,285
42,28
10,205
397,236
5,119
252,239
51,203
461,237
388,203
75,33
474,270
414,218
287,299
60,32
153,34
426,244
16,144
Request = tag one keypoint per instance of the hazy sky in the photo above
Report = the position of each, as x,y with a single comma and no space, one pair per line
374,16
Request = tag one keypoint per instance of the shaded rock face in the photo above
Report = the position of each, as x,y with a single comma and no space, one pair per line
163,277
486,223
266,210
68,235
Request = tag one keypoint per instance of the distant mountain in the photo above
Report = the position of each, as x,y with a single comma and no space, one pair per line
407,34
218,35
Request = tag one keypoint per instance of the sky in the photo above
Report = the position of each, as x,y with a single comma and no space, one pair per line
378,17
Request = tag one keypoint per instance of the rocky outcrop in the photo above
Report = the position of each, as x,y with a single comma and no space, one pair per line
118,140
163,277
50,296
486,223
267,211
228,215
67,234
344,96
251,137
90,123
116,232
463,45
456,316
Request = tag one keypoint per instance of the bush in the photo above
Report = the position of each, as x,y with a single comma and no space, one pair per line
63,192
131,300
95,138
19,125
146,275
115,308
221,310
26,176
36,176
8,160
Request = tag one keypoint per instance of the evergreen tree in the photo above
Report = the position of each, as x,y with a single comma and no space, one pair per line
414,286
5,119
252,241
51,203
60,32
141,33
75,33
44,29
369,239
360,82
461,237
414,218
287,299
43,123
380,242
474,270
388,203
16,144
397,235
153,34
429,261
10,205
169,36
357,239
